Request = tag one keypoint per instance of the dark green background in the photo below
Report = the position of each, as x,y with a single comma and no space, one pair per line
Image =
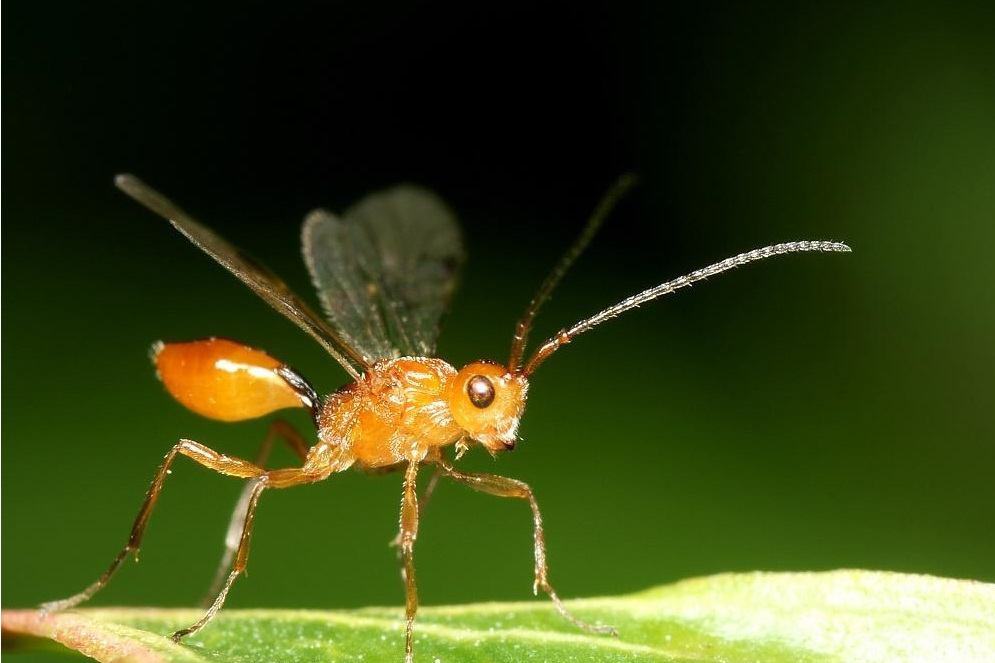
814,412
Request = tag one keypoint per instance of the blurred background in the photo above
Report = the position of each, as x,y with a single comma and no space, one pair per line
813,412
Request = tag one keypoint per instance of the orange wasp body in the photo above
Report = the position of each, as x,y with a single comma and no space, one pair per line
401,410
384,274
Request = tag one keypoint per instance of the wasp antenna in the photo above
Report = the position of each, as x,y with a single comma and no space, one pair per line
607,203
568,334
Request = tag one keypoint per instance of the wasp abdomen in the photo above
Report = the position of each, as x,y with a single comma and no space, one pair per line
223,380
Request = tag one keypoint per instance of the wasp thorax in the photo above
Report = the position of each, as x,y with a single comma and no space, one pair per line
487,401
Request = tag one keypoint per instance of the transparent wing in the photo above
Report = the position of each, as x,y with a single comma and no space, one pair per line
263,282
385,271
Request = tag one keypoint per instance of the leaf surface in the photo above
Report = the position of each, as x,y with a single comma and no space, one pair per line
771,617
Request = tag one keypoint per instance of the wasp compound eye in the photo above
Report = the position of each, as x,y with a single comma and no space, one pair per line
480,389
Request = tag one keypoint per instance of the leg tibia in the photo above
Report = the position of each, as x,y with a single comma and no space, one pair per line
506,487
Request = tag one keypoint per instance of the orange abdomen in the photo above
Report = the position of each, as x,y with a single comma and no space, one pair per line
222,379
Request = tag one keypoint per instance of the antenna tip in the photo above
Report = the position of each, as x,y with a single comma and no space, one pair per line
125,181
627,180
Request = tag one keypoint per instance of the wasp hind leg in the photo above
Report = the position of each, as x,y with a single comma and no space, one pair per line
198,452
284,478
229,466
279,430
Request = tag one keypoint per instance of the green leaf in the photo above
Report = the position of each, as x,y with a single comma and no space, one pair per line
771,617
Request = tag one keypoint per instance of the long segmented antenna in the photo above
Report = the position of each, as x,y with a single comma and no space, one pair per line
618,190
567,335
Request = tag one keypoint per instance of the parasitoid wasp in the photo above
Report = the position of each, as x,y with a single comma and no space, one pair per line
384,272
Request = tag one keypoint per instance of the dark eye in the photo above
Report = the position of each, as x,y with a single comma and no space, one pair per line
480,390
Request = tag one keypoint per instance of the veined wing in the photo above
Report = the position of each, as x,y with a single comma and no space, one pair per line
262,281
386,270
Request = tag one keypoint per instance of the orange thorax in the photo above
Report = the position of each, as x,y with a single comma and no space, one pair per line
395,412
